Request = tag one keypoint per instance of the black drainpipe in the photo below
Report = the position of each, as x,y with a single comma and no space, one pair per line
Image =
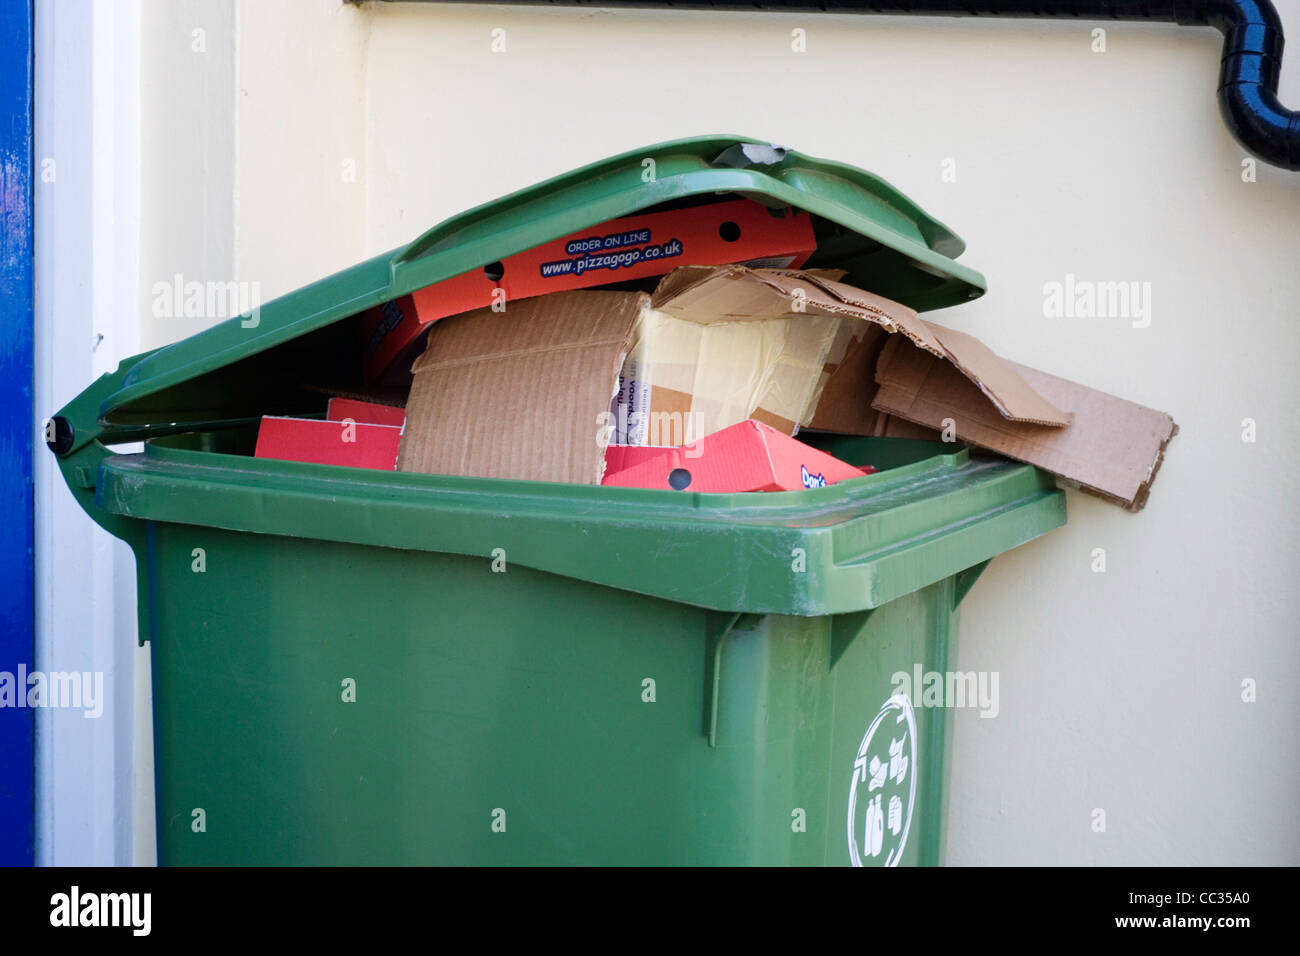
1252,46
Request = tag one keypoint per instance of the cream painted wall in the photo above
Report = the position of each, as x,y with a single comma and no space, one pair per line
1118,690
187,173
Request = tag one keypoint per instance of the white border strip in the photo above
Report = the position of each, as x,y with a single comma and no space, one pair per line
86,304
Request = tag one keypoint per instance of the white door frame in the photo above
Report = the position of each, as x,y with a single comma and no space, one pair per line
87,220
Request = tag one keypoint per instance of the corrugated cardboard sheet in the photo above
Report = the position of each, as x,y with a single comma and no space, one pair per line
520,393
928,374
1112,447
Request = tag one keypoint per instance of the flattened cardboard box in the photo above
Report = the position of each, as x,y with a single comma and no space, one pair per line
925,374
1112,448
520,393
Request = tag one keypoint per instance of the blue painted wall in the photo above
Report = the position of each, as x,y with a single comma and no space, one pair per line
17,629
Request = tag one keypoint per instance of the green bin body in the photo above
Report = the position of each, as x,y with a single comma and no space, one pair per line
361,667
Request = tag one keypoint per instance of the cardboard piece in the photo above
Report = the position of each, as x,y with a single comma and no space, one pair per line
637,246
926,373
353,444
891,426
1003,383
736,293
749,456
523,393
344,408
1112,448
685,378
535,391
725,344
844,403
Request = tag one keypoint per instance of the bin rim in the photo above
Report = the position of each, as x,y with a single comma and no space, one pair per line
841,549
585,197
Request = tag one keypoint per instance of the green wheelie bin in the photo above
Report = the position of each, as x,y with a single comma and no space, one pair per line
360,667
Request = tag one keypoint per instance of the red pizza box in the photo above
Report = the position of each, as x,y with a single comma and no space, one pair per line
354,444
390,332
368,412
621,457
633,247
749,456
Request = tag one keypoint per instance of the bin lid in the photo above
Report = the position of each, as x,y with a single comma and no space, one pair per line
862,224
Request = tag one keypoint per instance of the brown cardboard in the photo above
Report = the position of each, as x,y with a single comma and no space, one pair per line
844,403
521,393
1002,382
535,391
1112,447
891,426
739,294
736,293
719,347
925,373
726,343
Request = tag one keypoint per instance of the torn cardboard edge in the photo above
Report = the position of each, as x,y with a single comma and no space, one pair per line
931,375
1112,448
737,293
